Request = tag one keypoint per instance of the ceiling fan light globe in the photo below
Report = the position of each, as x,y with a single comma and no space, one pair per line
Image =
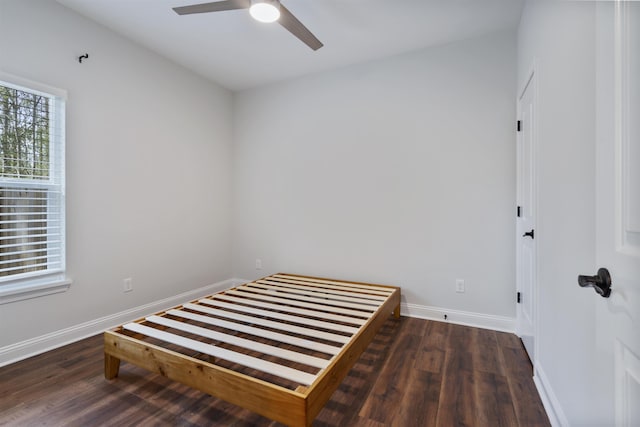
264,11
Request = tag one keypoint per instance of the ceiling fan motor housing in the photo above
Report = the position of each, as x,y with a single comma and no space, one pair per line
265,10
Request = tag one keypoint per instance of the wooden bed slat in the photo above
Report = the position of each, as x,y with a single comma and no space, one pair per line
246,292
305,279
311,296
289,309
271,350
287,339
364,291
285,317
231,356
329,291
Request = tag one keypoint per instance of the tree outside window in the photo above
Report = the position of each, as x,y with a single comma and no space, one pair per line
31,202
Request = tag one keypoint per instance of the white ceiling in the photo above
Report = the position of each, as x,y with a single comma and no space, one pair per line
237,52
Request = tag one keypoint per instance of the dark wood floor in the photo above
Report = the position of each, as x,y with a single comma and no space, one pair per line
415,373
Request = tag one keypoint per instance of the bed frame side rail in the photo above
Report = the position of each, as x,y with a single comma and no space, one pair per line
271,401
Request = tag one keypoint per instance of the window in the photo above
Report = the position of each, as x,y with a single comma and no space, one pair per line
32,197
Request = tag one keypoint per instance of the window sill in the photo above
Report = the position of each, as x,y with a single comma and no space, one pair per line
19,292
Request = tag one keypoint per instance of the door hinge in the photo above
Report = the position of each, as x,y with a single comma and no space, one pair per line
518,126
519,299
519,211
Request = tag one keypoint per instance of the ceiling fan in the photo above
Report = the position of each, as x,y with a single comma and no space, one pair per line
261,10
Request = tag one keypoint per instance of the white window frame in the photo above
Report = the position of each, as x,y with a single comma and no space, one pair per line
50,282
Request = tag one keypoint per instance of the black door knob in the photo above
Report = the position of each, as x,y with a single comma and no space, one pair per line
601,282
528,233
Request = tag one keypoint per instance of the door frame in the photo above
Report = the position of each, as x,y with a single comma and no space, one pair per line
531,78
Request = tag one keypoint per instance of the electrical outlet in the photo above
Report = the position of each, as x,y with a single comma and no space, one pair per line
460,285
258,264
127,285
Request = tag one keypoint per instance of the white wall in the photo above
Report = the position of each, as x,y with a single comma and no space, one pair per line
148,168
399,171
396,171
560,36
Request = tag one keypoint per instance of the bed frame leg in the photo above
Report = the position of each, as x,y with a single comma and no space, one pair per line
111,366
396,312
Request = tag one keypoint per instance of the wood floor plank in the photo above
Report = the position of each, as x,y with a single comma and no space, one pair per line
431,356
362,422
457,401
460,338
486,350
390,387
493,398
422,398
47,371
508,340
526,401
414,373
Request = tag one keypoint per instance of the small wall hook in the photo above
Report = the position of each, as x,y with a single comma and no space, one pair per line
81,57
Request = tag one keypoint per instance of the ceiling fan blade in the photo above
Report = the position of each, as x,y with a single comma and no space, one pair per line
296,28
216,6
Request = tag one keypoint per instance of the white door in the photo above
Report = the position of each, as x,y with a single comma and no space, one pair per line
526,211
618,209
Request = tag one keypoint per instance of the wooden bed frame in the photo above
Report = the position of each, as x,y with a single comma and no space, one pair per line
278,346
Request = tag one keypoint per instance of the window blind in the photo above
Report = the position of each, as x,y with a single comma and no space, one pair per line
32,226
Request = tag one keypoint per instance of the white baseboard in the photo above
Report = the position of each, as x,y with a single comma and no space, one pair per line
467,318
556,415
31,347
